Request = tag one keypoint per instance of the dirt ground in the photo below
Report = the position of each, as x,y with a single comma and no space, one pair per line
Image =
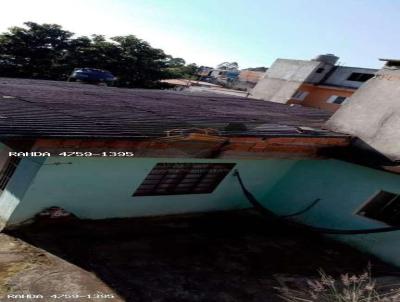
224,257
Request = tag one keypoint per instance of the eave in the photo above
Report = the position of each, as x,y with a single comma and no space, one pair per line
197,146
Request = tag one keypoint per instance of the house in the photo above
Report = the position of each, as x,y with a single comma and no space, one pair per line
318,83
251,76
224,76
204,71
236,79
248,78
104,152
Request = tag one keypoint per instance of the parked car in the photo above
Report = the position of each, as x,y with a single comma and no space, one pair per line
92,76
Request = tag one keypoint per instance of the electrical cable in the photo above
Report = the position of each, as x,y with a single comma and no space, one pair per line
271,215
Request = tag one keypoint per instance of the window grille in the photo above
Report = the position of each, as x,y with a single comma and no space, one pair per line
183,178
7,171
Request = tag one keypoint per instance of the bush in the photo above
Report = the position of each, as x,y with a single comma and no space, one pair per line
354,288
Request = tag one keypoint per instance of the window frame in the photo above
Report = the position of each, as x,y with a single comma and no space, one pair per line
7,172
302,95
365,204
334,97
359,77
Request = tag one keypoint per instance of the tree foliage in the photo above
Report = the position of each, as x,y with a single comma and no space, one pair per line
47,51
176,69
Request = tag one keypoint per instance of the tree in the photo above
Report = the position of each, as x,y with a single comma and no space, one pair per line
34,51
182,71
139,63
46,51
174,62
95,52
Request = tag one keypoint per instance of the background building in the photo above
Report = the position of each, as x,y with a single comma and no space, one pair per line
318,83
233,78
248,78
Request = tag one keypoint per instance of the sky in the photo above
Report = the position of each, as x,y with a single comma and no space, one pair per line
251,32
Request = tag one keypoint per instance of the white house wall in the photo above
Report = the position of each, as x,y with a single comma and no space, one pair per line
283,79
373,113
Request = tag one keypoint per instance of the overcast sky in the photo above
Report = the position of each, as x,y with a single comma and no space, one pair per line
251,32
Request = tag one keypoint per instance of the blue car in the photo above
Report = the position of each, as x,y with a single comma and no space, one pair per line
92,76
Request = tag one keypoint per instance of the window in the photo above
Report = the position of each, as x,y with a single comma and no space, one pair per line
8,170
335,99
360,77
320,70
299,95
384,206
183,178
392,63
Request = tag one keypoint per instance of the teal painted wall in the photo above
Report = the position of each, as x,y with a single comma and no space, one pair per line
98,188
343,189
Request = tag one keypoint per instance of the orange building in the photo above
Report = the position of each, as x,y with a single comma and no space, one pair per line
320,96
318,83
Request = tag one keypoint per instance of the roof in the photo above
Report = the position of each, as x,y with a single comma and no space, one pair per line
185,82
37,108
393,60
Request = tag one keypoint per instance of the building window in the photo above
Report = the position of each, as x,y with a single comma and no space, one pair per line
384,206
299,95
336,99
360,77
7,172
183,178
392,63
320,70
